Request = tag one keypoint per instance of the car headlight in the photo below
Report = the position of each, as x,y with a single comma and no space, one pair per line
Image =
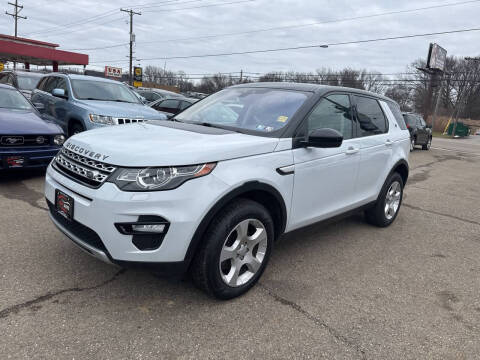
101,119
59,140
163,178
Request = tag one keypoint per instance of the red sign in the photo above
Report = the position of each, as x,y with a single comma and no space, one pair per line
114,72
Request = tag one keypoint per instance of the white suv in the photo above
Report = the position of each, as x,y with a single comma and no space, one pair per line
211,190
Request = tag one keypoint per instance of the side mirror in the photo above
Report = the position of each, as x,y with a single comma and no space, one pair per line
324,138
59,93
39,106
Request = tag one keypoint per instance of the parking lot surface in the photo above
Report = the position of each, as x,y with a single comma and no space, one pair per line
336,290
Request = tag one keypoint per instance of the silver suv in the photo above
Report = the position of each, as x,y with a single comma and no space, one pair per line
78,103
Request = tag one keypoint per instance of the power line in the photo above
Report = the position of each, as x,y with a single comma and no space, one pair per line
296,26
326,45
101,16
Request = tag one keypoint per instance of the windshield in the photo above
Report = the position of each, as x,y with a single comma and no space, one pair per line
101,90
26,82
263,110
12,99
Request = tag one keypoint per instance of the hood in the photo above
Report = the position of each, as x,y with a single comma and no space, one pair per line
167,144
23,122
119,109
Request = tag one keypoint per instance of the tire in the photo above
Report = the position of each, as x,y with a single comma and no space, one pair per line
412,144
378,215
428,144
223,237
76,128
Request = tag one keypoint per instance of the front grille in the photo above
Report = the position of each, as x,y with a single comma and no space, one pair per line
121,121
81,231
24,140
87,171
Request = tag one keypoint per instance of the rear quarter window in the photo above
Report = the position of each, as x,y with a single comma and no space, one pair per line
395,108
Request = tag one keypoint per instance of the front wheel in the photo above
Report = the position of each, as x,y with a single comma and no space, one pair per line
75,129
386,208
235,250
412,144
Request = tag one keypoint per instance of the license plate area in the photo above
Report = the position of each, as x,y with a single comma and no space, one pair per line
64,204
15,161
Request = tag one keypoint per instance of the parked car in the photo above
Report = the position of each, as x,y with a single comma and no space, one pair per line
152,94
173,106
223,186
79,102
420,133
22,80
26,140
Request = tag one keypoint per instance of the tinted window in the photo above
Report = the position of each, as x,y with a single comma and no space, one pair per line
370,116
184,105
422,122
333,112
41,84
61,84
397,114
260,109
50,84
169,104
410,119
3,78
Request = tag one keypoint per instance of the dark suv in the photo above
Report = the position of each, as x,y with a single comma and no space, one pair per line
420,132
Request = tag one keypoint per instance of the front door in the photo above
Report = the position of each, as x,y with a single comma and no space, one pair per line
325,177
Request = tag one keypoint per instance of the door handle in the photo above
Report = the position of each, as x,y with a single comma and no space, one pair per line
389,142
351,150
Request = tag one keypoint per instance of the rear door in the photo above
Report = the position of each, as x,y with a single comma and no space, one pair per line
325,177
375,149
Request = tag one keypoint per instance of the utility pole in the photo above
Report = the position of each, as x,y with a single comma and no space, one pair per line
132,39
16,16
241,76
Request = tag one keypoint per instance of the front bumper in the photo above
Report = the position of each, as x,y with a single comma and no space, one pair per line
35,157
98,210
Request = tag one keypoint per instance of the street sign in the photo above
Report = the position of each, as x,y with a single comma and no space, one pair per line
113,72
2,66
137,76
437,56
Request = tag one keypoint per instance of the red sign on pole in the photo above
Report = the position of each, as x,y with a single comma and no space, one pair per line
113,72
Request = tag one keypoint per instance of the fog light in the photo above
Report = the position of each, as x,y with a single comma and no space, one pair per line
149,228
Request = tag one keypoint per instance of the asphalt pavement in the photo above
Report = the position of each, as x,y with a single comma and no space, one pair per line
337,290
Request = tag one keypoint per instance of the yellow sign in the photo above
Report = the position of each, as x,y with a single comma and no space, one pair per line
138,71
1,66
137,83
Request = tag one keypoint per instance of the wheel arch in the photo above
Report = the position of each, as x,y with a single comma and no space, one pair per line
72,120
402,168
257,191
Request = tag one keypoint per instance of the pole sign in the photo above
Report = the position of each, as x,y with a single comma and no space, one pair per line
137,76
113,72
437,56
1,66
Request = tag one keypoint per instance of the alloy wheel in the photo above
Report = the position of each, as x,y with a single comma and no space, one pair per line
243,252
392,200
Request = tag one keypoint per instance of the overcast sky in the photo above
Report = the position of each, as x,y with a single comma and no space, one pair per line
81,24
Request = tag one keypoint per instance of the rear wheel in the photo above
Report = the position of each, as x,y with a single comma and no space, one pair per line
235,250
75,128
386,208
428,144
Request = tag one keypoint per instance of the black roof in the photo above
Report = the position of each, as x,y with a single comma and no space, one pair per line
309,88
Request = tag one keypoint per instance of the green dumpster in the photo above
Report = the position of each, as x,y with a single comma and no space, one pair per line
460,130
